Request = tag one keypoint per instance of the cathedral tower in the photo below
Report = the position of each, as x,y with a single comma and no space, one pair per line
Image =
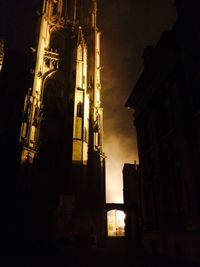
62,128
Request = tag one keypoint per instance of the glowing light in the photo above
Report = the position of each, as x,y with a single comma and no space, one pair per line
117,154
116,224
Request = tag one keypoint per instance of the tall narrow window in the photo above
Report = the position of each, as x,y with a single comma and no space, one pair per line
55,7
79,110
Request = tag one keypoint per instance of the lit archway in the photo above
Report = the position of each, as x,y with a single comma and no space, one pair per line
116,223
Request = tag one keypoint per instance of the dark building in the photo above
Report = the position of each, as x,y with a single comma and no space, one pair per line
166,103
13,84
53,126
132,204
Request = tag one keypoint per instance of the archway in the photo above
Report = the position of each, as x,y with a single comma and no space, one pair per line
116,223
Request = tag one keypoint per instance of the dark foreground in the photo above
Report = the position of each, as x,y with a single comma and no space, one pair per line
60,255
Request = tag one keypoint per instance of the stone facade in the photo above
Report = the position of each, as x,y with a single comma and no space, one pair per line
60,188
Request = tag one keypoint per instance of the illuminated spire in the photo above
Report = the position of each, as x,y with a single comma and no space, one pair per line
62,127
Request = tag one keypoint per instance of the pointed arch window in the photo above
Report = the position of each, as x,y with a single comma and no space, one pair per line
55,7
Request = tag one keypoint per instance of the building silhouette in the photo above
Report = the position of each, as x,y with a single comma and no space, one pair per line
132,205
62,173
166,103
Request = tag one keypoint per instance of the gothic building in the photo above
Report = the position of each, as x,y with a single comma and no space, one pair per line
62,161
166,107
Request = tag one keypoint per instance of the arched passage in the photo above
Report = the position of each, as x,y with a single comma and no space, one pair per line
115,223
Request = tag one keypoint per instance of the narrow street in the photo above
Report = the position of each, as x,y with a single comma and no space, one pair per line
111,256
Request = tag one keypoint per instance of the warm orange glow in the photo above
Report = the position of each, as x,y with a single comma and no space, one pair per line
115,222
1,53
117,154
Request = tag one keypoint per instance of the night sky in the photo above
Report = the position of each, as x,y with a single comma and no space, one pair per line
128,26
